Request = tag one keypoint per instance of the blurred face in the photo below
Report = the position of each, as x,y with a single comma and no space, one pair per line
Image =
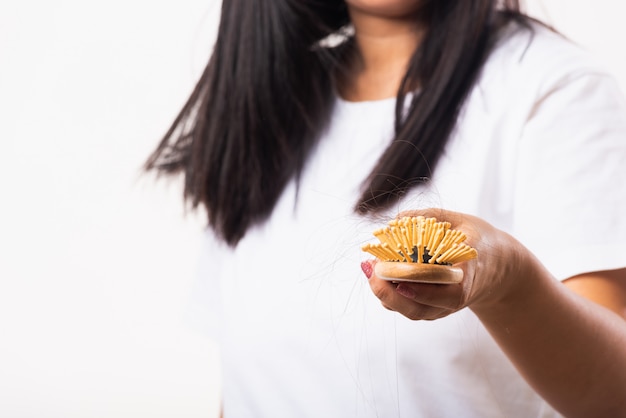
386,8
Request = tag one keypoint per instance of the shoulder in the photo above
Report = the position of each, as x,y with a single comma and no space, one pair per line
535,60
538,47
534,70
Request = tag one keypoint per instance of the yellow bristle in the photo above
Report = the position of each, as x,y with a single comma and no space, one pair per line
429,230
436,240
393,237
393,231
403,252
460,237
444,244
401,236
381,235
405,230
409,236
449,256
445,256
413,230
377,251
467,254
405,241
420,240
391,255
440,232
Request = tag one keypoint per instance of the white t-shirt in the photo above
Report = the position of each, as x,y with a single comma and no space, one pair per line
539,151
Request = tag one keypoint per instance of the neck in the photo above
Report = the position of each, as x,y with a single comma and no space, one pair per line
385,46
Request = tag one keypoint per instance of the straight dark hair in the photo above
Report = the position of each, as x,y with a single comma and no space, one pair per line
268,91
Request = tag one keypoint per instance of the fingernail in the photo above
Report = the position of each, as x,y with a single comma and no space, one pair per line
366,266
406,291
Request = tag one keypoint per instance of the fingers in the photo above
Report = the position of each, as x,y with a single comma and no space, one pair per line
447,296
422,312
418,301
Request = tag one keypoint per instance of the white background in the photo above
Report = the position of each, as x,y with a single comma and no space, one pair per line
96,261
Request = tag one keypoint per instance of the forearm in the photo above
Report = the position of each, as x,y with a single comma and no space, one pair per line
571,350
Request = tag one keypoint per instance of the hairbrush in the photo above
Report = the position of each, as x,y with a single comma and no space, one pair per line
419,249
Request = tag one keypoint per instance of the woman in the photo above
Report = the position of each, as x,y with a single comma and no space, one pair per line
462,105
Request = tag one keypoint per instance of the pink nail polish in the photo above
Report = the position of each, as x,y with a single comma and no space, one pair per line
366,266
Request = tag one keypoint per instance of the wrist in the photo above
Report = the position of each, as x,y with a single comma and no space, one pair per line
515,275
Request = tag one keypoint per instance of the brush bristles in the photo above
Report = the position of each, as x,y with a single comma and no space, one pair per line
420,240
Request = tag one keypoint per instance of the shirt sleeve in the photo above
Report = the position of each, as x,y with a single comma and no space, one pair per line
570,193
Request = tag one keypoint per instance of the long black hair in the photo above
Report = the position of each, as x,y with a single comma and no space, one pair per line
267,94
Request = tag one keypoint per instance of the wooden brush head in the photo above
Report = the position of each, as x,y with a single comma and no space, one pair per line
420,249
395,271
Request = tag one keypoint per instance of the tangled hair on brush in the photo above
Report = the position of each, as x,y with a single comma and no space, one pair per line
267,94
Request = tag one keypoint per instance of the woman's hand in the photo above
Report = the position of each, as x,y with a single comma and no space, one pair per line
488,279
561,337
